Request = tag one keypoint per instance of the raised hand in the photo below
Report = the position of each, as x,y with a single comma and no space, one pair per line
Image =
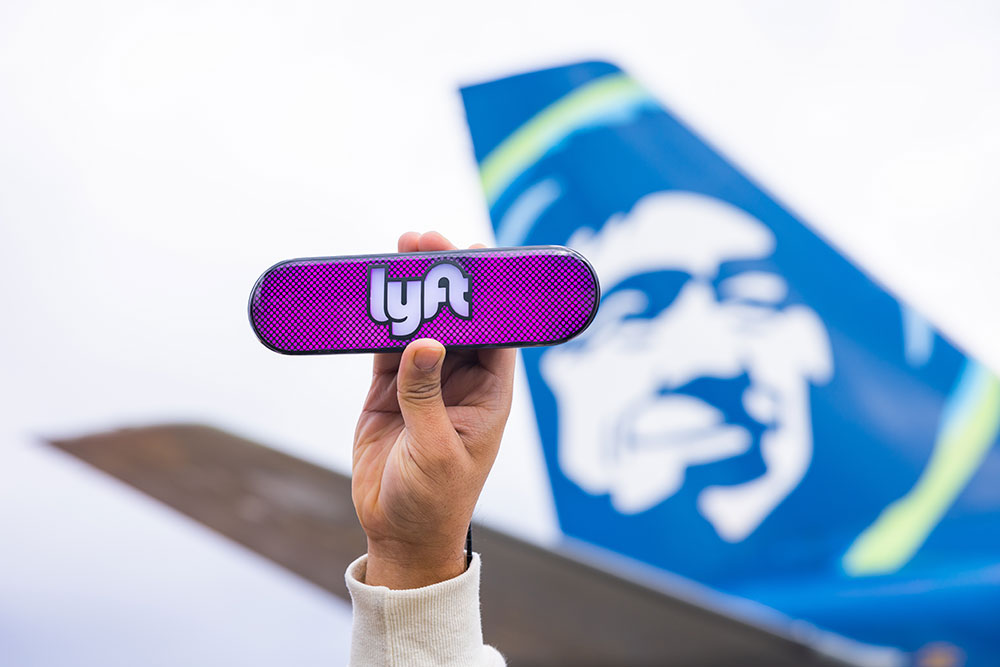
426,439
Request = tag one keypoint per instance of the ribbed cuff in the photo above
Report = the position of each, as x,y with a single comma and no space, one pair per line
435,625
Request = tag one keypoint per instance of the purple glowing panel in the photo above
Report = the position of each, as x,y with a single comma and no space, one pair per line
496,297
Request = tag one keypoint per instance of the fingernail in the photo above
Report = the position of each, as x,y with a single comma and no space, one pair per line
427,358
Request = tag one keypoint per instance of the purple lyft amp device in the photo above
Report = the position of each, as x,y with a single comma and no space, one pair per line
488,297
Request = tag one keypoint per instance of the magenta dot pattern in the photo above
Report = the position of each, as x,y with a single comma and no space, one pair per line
518,297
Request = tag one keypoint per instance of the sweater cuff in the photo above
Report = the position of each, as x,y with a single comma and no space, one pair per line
437,624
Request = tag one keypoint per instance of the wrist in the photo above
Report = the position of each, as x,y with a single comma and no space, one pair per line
399,565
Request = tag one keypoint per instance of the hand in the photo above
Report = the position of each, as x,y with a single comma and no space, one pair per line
427,437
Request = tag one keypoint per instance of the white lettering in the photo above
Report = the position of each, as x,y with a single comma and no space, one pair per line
409,302
403,307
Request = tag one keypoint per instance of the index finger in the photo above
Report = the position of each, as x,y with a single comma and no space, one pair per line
431,241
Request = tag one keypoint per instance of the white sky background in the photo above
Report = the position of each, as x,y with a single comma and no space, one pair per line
155,157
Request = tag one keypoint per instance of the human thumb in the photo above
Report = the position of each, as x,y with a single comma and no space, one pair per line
418,388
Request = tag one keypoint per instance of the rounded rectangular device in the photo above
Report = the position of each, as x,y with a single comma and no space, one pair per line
487,297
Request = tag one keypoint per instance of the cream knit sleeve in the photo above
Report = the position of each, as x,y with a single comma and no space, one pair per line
432,626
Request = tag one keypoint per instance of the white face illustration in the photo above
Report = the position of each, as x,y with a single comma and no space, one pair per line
677,311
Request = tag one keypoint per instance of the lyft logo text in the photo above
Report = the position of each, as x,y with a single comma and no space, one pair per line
409,302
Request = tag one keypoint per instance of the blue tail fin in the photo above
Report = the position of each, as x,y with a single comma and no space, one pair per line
749,409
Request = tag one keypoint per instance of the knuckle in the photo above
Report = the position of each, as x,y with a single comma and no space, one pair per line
419,393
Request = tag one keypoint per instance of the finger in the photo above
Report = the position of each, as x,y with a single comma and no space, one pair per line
382,393
408,242
499,362
476,246
386,362
418,389
432,241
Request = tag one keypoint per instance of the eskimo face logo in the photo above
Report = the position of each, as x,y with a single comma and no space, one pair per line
700,352
409,302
